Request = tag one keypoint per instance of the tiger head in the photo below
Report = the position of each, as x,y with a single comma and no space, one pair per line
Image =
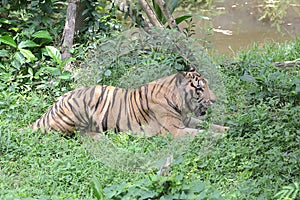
197,96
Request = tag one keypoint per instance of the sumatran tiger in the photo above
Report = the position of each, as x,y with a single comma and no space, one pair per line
159,107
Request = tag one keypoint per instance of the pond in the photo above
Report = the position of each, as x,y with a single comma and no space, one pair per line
237,25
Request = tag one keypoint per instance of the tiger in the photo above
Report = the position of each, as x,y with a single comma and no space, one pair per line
159,107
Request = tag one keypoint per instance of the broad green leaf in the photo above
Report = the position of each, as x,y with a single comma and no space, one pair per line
296,191
182,18
97,188
148,194
42,34
16,64
53,71
4,53
4,21
297,90
27,43
54,53
158,12
196,186
38,73
15,29
19,59
27,54
8,40
107,73
248,78
66,61
65,75
30,71
172,5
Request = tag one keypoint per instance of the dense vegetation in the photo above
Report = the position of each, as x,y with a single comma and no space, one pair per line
258,158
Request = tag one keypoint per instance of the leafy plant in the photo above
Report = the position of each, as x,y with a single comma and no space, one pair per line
23,56
275,11
289,192
158,187
133,61
58,70
171,6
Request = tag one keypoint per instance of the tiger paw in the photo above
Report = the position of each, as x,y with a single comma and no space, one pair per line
219,127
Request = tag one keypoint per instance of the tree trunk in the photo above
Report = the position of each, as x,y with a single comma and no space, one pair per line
69,30
80,18
74,20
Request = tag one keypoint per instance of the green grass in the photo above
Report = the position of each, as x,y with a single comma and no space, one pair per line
258,158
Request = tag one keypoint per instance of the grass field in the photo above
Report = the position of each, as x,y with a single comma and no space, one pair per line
259,157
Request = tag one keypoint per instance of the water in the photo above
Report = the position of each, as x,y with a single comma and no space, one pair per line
238,26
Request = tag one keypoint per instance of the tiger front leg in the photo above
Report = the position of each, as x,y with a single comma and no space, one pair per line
192,122
219,127
180,133
176,127
195,122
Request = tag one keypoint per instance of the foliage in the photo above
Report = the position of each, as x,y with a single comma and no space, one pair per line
99,20
43,166
264,121
137,14
269,82
171,5
21,72
138,58
28,36
289,192
144,156
28,59
275,11
258,158
158,187
27,17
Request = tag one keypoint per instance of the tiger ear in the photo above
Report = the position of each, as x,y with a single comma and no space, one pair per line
186,65
186,74
192,68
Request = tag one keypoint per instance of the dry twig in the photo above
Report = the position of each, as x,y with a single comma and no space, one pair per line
165,169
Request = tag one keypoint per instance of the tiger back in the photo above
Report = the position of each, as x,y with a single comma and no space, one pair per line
156,108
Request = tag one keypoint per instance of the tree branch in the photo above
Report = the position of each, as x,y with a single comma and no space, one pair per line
150,13
165,11
287,64
125,7
165,169
154,21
